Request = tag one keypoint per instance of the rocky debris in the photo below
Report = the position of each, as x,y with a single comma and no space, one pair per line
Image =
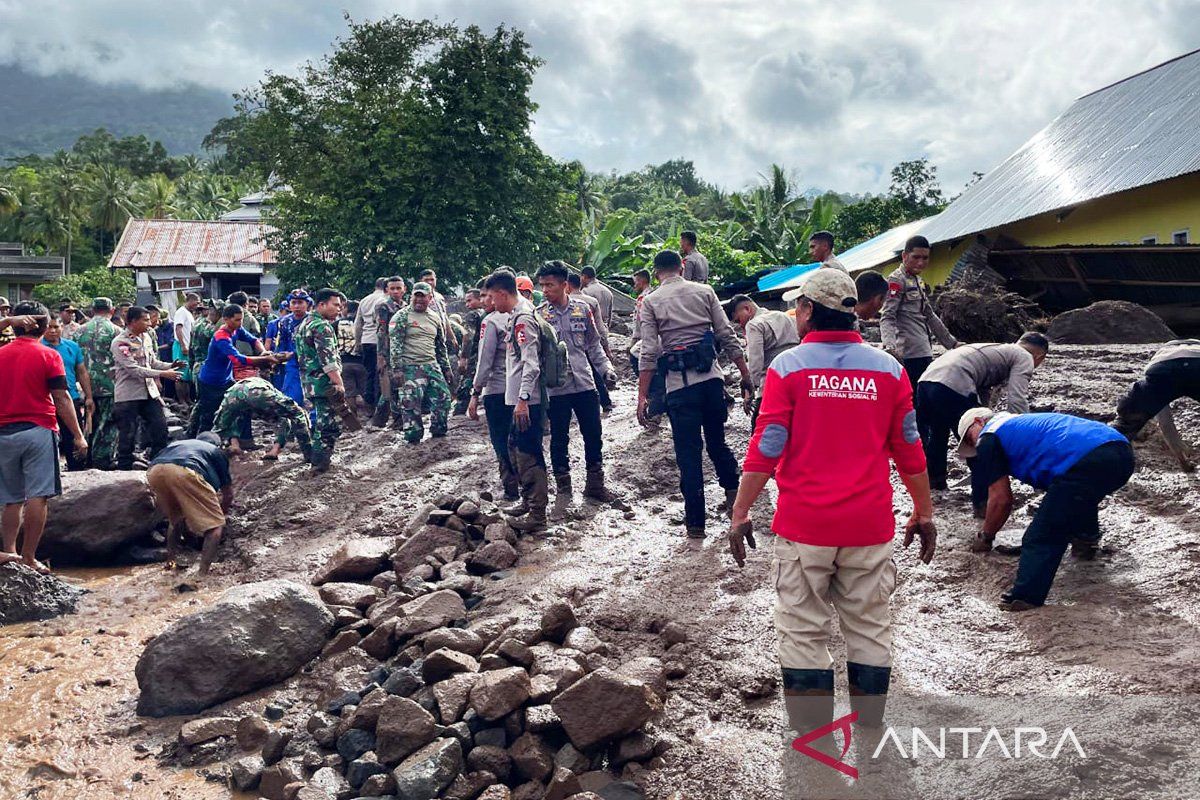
492,557
460,639
361,558
404,726
28,596
980,311
356,595
244,772
422,544
97,514
497,792
585,640
1109,322
648,670
254,635
604,706
500,692
441,664
557,621
274,780
251,732
427,772
563,783
431,611
531,757
198,731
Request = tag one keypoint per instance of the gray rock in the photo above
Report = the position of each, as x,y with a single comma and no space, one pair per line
27,596
403,682
531,758
358,770
499,532
96,514
557,621
635,747
500,692
427,772
621,790
468,785
520,655
673,633
254,635
330,781
197,731
570,758
275,744
422,614
604,706
453,694
379,787
460,639
540,719
381,642
357,595
491,737
251,732
492,557
403,727
244,772
274,779
441,664
648,670
422,543
492,759
562,669
467,510
562,785
361,558
340,643
585,640
496,792
354,742
542,689
366,714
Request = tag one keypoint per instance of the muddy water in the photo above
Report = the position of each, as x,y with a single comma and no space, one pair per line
1122,625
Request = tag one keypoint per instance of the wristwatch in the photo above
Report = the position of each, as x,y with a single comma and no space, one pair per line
524,396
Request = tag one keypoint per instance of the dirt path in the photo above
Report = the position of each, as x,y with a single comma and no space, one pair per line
1124,625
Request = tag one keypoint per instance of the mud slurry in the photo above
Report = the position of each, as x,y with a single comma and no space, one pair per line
1122,625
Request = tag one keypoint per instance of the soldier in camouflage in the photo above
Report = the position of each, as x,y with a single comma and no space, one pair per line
95,338
321,373
468,356
256,397
420,365
389,398
202,334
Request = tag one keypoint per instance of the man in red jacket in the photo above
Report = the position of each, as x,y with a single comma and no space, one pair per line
835,412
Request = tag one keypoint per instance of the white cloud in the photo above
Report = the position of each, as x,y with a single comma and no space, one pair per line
836,91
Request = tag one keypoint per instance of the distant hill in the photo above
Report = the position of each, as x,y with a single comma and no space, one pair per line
42,114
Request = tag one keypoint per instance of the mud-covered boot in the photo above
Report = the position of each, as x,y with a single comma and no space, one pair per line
306,451
512,487
594,488
380,418
868,692
562,496
730,499
808,698
537,495
321,460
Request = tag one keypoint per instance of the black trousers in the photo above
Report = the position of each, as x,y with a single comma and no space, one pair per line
657,393
915,368
208,400
127,413
586,408
1164,382
601,390
698,413
939,409
66,441
1070,510
499,424
371,387
528,441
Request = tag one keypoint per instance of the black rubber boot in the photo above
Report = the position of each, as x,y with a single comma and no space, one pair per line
868,692
808,698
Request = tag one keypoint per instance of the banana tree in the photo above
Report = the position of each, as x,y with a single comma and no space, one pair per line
611,252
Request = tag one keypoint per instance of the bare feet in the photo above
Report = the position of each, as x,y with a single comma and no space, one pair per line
9,558
36,565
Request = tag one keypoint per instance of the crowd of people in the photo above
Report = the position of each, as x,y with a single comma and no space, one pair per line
830,416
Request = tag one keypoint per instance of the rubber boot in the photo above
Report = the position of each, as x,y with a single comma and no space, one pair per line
730,499
868,692
562,496
594,488
537,494
380,418
306,451
321,460
808,698
512,488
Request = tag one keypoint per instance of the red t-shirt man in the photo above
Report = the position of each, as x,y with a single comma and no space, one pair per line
31,371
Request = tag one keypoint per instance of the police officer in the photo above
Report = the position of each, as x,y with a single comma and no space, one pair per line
573,321
95,338
320,367
523,391
575,290
420,364
1172,373
488,384
384,311
768,333
682,324
908,317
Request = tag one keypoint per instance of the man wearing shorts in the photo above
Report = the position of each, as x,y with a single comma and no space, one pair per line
185,478
34,398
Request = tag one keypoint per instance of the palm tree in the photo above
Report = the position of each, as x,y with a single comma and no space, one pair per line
43,226
9,202
62,192
157,194
112,200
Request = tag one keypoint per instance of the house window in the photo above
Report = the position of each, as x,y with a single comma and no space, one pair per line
1150,240
1179,237
178,284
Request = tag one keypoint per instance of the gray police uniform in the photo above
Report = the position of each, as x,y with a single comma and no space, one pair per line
523,371
681,322
906,322
489,384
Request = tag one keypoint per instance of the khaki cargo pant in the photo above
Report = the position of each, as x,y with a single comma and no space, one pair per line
811,582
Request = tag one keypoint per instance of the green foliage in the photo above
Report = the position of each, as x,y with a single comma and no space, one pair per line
914,194
81,287
613,252
409,147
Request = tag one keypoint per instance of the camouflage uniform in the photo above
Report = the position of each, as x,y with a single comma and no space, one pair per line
472,321
420,383
95,339
389,396
257,397
316,344
202,335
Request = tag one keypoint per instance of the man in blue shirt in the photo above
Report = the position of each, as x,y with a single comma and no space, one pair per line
1077,462
281,339
216,374
79,386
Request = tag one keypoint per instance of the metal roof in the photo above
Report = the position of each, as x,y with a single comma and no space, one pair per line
1138,131
871,253
186,243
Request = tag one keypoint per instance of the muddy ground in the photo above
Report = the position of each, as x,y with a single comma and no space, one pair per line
1123,626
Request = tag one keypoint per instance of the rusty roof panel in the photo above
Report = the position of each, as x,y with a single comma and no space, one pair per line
185,243
1136,132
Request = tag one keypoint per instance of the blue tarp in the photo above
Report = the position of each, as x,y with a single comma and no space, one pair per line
775,279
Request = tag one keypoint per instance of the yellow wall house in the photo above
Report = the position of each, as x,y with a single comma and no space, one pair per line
1103,203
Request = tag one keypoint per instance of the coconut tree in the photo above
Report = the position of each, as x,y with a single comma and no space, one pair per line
112,201
62,194
9,202
157,196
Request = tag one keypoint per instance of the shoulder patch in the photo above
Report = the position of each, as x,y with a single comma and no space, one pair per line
895,288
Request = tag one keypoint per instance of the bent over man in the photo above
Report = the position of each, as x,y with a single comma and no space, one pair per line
256,397
835,412
1172,373
185,478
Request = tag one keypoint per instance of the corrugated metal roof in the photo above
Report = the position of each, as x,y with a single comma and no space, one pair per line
868,254
788,276
1136,132
185,243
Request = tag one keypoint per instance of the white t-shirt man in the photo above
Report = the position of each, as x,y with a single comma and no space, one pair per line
183,317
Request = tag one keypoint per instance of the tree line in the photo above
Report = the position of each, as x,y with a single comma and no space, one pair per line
409,146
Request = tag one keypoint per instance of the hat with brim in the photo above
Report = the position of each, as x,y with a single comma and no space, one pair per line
831,288
967,449
421,287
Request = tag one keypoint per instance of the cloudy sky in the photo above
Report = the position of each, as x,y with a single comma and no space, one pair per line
837,91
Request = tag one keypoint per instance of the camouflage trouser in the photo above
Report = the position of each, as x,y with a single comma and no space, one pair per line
465,384
389,398
260,399
103,445
420,385
327,426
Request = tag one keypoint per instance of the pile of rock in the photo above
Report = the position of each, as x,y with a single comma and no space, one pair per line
497,708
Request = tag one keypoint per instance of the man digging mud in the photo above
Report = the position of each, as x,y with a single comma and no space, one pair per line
1173,372
185,478
1077,462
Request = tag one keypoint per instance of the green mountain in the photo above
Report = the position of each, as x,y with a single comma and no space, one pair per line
42,114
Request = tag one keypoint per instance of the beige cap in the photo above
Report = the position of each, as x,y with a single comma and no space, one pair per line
831,288
964,424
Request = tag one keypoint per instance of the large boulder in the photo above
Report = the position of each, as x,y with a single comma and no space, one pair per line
96,514
26,595
605,706
1109,322
254,635
356,560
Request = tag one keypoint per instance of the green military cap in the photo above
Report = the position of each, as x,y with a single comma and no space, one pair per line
101,304
421,287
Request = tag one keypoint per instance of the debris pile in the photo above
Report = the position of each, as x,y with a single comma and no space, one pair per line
423,702
1109,322
976,310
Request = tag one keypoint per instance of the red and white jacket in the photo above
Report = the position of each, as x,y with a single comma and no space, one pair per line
834,412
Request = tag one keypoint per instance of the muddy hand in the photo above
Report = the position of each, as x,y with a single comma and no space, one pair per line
927,533
739,536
